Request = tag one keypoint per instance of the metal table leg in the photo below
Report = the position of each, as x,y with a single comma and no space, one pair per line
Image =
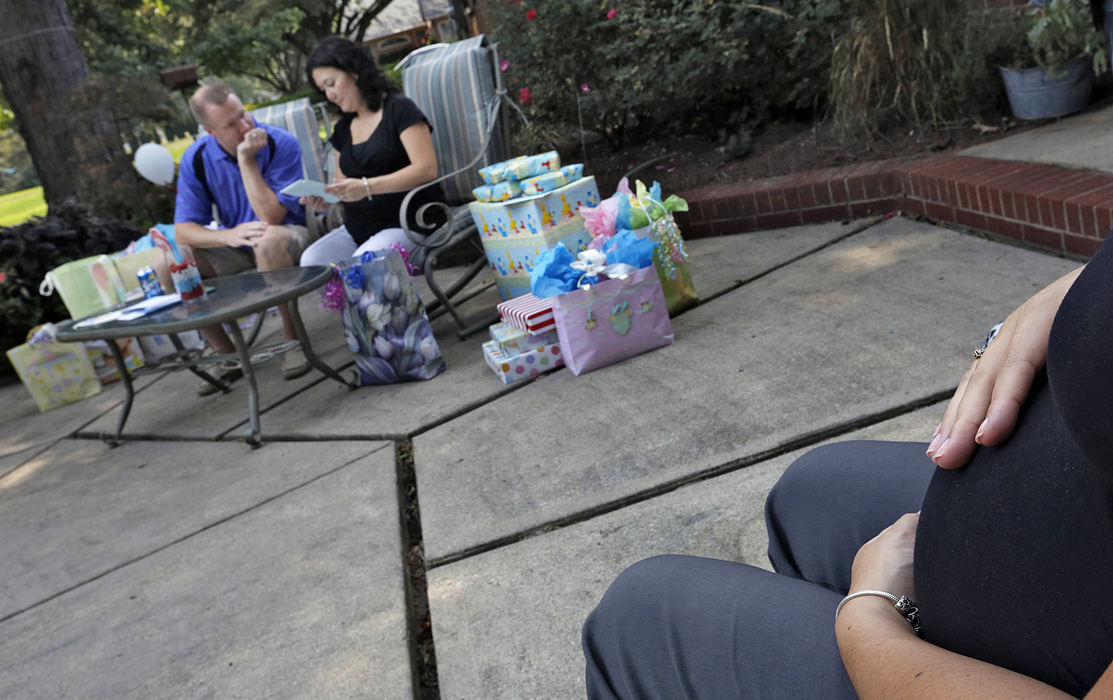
307,349
254,434
129,392
180,348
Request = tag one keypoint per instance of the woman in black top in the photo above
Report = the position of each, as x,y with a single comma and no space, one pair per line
384,149
1007,549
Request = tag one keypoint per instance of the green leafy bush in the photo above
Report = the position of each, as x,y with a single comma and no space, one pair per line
640,67
30,250
1055,32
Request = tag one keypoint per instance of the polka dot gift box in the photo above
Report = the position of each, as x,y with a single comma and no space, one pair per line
521,366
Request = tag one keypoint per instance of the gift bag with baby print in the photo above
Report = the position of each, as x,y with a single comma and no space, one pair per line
384,320
611,321
55,373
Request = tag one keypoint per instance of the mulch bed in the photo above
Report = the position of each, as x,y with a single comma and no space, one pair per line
690,162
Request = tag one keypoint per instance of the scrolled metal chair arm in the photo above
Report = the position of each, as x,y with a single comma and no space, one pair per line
443,235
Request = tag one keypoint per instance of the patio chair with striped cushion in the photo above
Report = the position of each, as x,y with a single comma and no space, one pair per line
300,118
459,88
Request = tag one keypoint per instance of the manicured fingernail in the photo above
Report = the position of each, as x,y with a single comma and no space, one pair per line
937,429
981,429
941,450
934,443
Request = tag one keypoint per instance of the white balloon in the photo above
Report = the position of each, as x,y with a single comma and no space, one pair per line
155,163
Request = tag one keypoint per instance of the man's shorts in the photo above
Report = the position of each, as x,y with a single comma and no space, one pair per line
228,261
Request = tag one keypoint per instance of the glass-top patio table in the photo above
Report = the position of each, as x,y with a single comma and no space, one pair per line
228,299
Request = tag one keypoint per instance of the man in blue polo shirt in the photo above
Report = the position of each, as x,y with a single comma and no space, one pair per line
244,167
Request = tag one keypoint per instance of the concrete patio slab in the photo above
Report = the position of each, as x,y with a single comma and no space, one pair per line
15,459
1083,141
27,430
299,596
81,509
507,622
722,263
875,322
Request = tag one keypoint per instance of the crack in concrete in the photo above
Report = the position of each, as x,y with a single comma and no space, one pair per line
422,646
797,443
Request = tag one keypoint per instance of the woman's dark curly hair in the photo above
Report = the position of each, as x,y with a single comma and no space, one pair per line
343,54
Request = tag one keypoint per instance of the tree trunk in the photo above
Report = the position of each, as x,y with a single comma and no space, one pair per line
483,21
73,145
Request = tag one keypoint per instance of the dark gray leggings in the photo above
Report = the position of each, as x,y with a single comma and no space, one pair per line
687,627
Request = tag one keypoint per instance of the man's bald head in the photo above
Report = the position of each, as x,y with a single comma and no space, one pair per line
215,94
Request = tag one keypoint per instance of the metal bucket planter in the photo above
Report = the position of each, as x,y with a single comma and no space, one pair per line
1036,94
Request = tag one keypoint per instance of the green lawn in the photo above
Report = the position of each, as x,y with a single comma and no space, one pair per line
17,207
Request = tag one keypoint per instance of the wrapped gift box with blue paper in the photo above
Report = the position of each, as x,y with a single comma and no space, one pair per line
515,228
512,258
533,214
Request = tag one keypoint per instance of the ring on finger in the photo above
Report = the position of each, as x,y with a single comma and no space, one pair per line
979,352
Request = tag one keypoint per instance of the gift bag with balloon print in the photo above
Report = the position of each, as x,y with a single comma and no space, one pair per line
385,322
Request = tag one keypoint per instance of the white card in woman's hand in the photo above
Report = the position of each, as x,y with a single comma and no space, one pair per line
309,188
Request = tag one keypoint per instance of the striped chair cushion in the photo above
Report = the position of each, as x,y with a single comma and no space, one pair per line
455,86
299,119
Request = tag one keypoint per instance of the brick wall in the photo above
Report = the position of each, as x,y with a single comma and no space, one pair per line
1060,209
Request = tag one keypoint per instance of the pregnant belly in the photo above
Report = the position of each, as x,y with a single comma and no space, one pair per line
1014,555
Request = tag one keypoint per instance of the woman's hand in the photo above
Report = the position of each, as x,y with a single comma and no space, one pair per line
886,660
348,189
885,562
985,407
315,203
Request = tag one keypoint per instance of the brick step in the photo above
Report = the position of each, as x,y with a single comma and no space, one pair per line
1057,208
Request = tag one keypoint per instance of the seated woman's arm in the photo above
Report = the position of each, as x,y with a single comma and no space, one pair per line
418,142
886,660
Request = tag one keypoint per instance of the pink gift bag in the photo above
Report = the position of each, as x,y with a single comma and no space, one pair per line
612,320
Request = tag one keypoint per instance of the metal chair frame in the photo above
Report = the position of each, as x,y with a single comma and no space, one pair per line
453,233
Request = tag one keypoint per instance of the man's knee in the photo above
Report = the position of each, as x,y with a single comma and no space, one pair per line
272,251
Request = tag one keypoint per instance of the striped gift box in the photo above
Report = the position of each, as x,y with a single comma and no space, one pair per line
528,313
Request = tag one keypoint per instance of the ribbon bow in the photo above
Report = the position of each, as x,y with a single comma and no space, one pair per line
593,263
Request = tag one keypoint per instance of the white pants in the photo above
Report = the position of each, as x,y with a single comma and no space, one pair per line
338,245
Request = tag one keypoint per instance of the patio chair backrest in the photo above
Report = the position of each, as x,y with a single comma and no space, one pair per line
456,85
300,119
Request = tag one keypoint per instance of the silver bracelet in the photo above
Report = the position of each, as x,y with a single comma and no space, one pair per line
903,605
367,187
